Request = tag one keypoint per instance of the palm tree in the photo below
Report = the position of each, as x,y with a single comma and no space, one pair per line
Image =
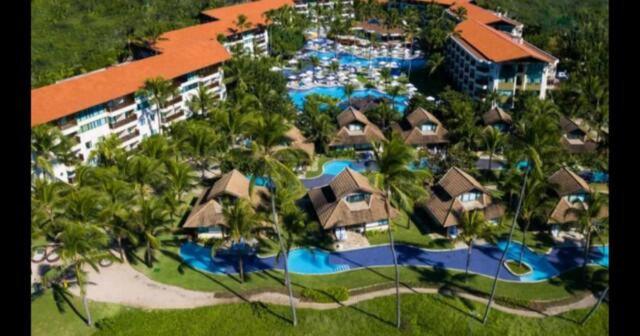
348,91
412,29
493,141
200,143
242,221
504,253
47,198
401,186
435,61
268,133
394,92
202,101
151,221
116,212
79,245
384,115
242,23
233,120
160,92
473,226
385,75
48,146
158,147
143,172
107,151
589,215
316,125
535,204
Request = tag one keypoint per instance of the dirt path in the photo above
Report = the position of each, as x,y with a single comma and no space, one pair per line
122,284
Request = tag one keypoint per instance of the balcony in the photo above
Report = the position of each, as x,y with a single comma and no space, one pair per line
129,136
69,124
174,100
132,118
124,102
174,116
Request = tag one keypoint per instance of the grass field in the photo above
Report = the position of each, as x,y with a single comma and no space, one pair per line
422,315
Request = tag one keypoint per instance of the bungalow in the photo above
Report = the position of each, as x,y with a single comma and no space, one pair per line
577,137
497,118
350,202
458,192
206,219
356,131
422,129
574,194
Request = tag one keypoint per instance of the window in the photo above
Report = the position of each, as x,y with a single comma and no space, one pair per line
92,125
428,127
356,198
90,113
577,198
355,127
189,87
88,144
470,196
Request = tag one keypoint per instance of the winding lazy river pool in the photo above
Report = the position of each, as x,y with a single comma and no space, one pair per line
484,260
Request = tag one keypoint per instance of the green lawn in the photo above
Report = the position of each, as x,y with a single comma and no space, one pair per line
517,268
422,315
46,319
406,231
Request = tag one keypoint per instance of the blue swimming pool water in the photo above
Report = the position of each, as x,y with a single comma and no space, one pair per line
312,261
260,181
542,268
298,96
351,60
335,167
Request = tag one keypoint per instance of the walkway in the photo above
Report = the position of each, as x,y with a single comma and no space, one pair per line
121,284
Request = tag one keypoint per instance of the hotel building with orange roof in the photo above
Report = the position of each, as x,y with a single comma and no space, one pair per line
488,52
97,104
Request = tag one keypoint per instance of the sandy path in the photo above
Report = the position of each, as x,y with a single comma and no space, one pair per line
122,284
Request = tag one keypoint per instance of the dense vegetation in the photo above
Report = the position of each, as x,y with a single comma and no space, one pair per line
70,37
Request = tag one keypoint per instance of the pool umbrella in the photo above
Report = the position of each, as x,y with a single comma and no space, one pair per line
292,77
293,61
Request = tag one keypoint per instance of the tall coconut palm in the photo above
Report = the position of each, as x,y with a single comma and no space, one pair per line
401,186
47,198
384,115
143,172
535,204
385,75
348,91
394,91
151,220
158,147
202,102
108,151
116,212
79,245
201,144
268,133
159,91
412,29
589,215
506,249
316,125
49,146
232,120
242,221
494,140
473,226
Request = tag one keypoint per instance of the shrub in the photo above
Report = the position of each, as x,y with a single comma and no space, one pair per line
327,295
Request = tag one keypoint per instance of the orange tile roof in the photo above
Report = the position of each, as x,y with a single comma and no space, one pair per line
495,45
476,13
181,51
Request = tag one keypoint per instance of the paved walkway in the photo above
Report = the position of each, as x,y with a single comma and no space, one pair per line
121,284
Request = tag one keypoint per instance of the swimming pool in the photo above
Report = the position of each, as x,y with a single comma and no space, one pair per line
335,167
484,260
349,59
298,96
313,261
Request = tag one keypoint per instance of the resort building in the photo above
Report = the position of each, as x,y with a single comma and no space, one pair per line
422,130
456,193
573,192
497,118
311,8
94,105
206,219
363,32
577,136
349,202
488,53
356,131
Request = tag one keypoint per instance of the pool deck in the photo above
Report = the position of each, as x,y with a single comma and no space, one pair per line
484,260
